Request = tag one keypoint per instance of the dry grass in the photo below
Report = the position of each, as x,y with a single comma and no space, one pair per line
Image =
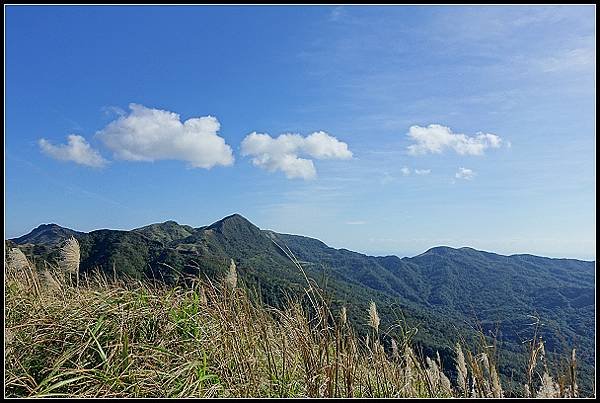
125,338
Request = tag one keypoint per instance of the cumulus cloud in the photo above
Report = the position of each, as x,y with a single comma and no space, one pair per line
77,150
422,171
283,153
146,134
465,173
436,139
405,171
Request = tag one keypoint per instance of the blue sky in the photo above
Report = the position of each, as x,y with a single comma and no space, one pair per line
404,127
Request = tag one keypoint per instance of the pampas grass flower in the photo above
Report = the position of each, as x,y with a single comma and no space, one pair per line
231,278
373,316
17,261
461,368
548,388
70,257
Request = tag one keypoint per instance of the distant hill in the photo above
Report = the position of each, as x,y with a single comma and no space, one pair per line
47,234
446,292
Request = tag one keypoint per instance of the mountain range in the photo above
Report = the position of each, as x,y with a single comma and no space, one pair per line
446,294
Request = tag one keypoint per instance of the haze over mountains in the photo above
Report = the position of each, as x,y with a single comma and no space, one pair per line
445,292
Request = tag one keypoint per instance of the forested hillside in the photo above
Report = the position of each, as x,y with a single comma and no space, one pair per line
446,293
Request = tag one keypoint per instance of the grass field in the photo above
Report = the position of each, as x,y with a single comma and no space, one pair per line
94,336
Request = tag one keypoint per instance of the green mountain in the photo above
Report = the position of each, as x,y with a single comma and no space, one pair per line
446,293
47,234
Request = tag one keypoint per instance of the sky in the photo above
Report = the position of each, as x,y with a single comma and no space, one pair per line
383,130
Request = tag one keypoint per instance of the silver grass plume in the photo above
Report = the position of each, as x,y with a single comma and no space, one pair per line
574,389
496,385
445,383
373,317
17,261
485,363
19,266
493,386
433,373
461,367
70,257
548,388
407,370
231,278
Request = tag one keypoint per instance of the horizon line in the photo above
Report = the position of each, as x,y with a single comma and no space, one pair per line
372,254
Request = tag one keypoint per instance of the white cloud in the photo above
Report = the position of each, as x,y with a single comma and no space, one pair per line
406,171
465,173
282,153
356,222
77,150
146,134
436,139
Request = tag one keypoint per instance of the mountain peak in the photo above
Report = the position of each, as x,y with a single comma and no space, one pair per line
440,250
165,224
46,226
233,218
49,234
165,231
236,216
233,223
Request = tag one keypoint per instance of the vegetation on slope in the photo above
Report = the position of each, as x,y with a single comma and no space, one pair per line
447,293
130,338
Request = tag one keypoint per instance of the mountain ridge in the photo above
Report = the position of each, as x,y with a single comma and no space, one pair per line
65,232
448,289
